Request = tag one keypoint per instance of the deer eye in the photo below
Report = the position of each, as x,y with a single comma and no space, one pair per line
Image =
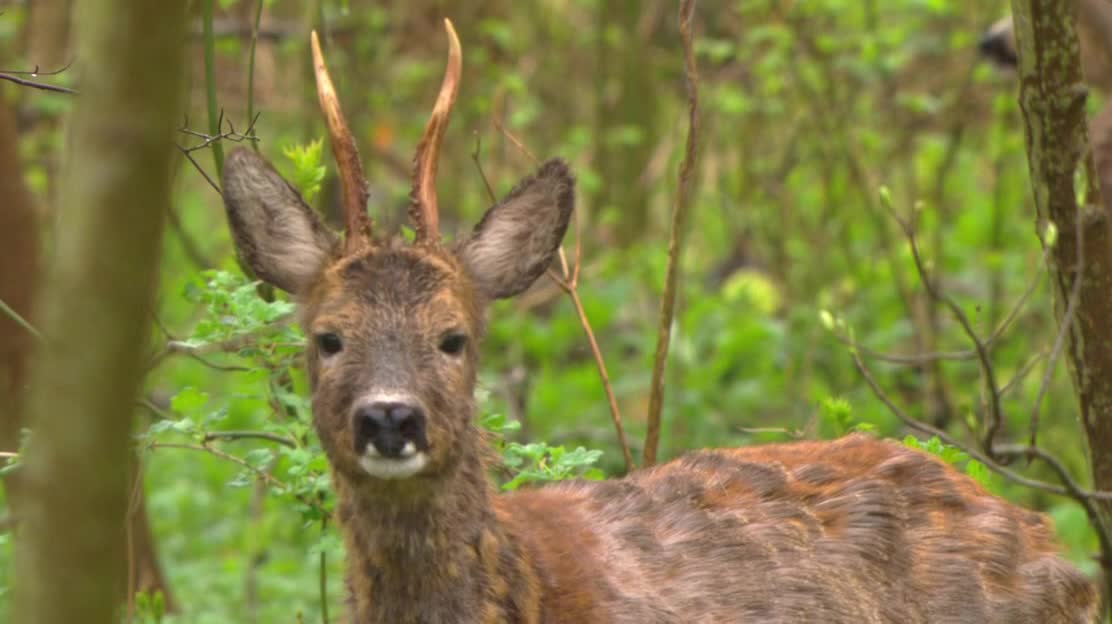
453,343
329,343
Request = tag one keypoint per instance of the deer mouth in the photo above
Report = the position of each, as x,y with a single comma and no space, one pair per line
407,464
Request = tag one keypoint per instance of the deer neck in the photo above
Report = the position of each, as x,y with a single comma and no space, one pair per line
440,556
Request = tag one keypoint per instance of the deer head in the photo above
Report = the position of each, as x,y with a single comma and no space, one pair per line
392,327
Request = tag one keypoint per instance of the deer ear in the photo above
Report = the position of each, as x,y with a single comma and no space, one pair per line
517,239
277,234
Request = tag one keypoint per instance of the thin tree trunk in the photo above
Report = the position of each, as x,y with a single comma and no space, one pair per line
19,238
1052,98
95,312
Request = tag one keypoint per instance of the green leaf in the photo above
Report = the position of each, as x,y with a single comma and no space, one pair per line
189,400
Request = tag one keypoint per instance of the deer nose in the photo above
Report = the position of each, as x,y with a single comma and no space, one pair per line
395,430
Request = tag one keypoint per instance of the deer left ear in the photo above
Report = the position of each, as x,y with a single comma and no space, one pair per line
517,239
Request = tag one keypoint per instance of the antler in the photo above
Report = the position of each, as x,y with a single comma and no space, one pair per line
423,209
352,178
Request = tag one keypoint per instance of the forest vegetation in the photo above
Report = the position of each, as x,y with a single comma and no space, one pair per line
879,231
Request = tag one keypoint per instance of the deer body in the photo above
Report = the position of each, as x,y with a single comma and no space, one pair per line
853,531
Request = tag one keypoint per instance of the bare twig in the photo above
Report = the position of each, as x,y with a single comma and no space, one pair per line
569,283
498,125
221,135
37,71
995,419
210,83
23,82
250,435
478,165
1064,326
22,322
679,217
200,169
1085,499
967,354
989,462
251,69
192,250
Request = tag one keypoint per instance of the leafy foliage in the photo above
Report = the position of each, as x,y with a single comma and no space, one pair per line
810,108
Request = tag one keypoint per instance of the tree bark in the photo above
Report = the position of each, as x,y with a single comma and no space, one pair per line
1052,97
95,312
48,27
19,238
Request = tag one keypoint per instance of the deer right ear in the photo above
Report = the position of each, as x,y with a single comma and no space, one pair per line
517,239
277,234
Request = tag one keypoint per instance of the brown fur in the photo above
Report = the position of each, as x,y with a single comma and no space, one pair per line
852,531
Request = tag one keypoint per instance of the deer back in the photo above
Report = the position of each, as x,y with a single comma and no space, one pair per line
857,530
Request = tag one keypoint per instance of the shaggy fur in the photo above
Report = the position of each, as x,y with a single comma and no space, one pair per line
847,532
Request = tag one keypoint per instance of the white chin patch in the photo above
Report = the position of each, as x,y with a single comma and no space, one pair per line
410,463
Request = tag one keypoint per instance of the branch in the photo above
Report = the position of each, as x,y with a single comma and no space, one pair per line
569,283
990,463
22,322
1064,326
220,135
679,217
249,435
995,419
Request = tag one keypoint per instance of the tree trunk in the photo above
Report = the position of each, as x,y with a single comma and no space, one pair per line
48,28
1052,98
19,238
95,312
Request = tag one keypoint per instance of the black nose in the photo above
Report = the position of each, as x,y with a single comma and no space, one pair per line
996,48
390,427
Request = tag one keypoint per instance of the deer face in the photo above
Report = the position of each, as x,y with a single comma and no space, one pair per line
393,329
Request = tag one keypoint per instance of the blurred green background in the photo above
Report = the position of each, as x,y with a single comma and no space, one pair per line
809,108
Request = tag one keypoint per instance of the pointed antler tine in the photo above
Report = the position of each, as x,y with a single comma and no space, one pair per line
352,178
423,209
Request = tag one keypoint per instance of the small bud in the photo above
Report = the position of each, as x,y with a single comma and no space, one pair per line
885,196
827,320
1050,235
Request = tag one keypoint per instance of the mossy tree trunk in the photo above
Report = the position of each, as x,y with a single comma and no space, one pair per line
95,311
1052,97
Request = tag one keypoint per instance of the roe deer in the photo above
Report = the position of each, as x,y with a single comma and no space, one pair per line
852,531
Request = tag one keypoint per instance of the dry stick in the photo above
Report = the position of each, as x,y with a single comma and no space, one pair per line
478,165
679,217
36,85
242,463
251,67
968,354
990,463
250,435
22,322
210,84
995,418
1063,329
570,285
